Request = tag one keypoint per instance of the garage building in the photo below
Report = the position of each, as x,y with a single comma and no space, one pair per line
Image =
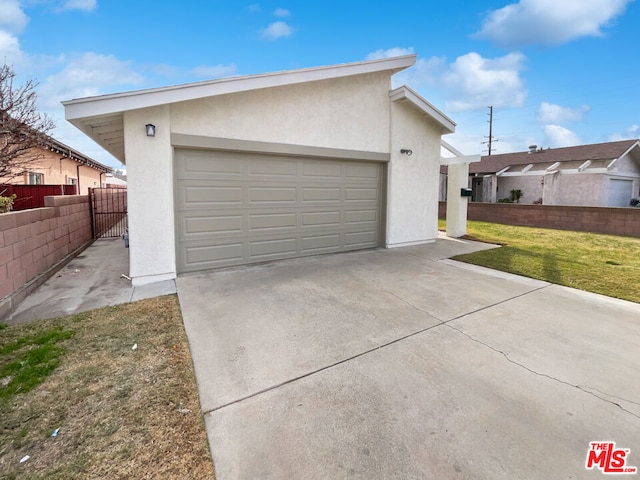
265,167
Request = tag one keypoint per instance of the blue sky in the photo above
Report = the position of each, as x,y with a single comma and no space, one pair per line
558,72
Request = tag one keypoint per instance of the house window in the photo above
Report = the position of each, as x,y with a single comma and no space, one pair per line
72,181
36,178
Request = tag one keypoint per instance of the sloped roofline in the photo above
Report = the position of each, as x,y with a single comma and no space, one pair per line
66,151
597,151
406,93
120,102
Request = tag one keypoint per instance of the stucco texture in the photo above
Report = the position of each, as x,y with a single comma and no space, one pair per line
413,181
352,113
348,113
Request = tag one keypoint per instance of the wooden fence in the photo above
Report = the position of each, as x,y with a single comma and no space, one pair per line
32,196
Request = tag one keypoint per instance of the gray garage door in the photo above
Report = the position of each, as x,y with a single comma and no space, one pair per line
236,208
620,192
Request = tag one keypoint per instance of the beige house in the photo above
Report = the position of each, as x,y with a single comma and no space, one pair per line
59,164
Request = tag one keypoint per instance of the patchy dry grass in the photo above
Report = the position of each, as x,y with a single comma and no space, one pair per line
605,264
121,413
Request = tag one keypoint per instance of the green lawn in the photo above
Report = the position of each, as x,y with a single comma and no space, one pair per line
605,264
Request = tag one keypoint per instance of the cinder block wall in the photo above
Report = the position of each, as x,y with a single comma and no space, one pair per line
34,241
611,220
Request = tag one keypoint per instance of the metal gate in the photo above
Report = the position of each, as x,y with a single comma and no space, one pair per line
108,212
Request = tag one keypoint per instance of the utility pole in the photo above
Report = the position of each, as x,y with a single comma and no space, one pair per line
490,137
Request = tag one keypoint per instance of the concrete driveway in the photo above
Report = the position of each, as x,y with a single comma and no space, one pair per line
399,364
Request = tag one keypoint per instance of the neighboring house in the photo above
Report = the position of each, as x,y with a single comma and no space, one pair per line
59,164
112,180
278,165
603,174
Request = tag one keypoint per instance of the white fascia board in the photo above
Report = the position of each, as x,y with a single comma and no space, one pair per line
122,102
450,148
503,170
552,167
406,93
527,168
612,163
637,144
463,159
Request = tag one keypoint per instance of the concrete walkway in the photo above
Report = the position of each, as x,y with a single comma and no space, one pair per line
401,364
91,280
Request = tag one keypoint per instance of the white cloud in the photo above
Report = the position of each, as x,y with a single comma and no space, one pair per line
474,82
254,8
10,51
281,12
87,75
12,18
215,71
390,52
552,113
471,82
630,133
558,136
86,5
277,30
549,22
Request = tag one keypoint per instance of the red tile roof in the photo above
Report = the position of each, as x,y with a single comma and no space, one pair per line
582,153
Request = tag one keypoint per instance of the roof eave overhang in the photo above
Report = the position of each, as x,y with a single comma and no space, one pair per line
406,93
84,113
121,102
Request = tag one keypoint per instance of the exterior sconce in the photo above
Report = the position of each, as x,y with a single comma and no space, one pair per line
406,151
151,130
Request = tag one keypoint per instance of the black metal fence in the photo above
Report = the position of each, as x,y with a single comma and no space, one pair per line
108,212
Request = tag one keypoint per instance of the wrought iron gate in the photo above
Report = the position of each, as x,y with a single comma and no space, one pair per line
108,212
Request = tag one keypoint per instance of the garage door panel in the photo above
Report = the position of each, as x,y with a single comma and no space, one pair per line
360,216
361,238
210,224
353,193
361,171
313,243
197,165
261,221
321,170
211,195
273,194
234,208
321,194
213,255
258,249
321,219
273,168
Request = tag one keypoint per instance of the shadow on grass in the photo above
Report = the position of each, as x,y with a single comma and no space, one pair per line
542,266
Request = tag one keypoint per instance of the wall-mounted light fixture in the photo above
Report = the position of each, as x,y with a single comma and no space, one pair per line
151,130
406,151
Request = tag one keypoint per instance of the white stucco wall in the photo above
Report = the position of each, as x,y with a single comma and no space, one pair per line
348,113
150,196
587,189
530,185
413,182
352,113
628,165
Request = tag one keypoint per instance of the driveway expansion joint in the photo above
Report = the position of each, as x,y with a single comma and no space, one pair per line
371,350
550,377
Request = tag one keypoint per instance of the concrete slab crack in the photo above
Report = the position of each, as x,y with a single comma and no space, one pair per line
379,347
550,377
